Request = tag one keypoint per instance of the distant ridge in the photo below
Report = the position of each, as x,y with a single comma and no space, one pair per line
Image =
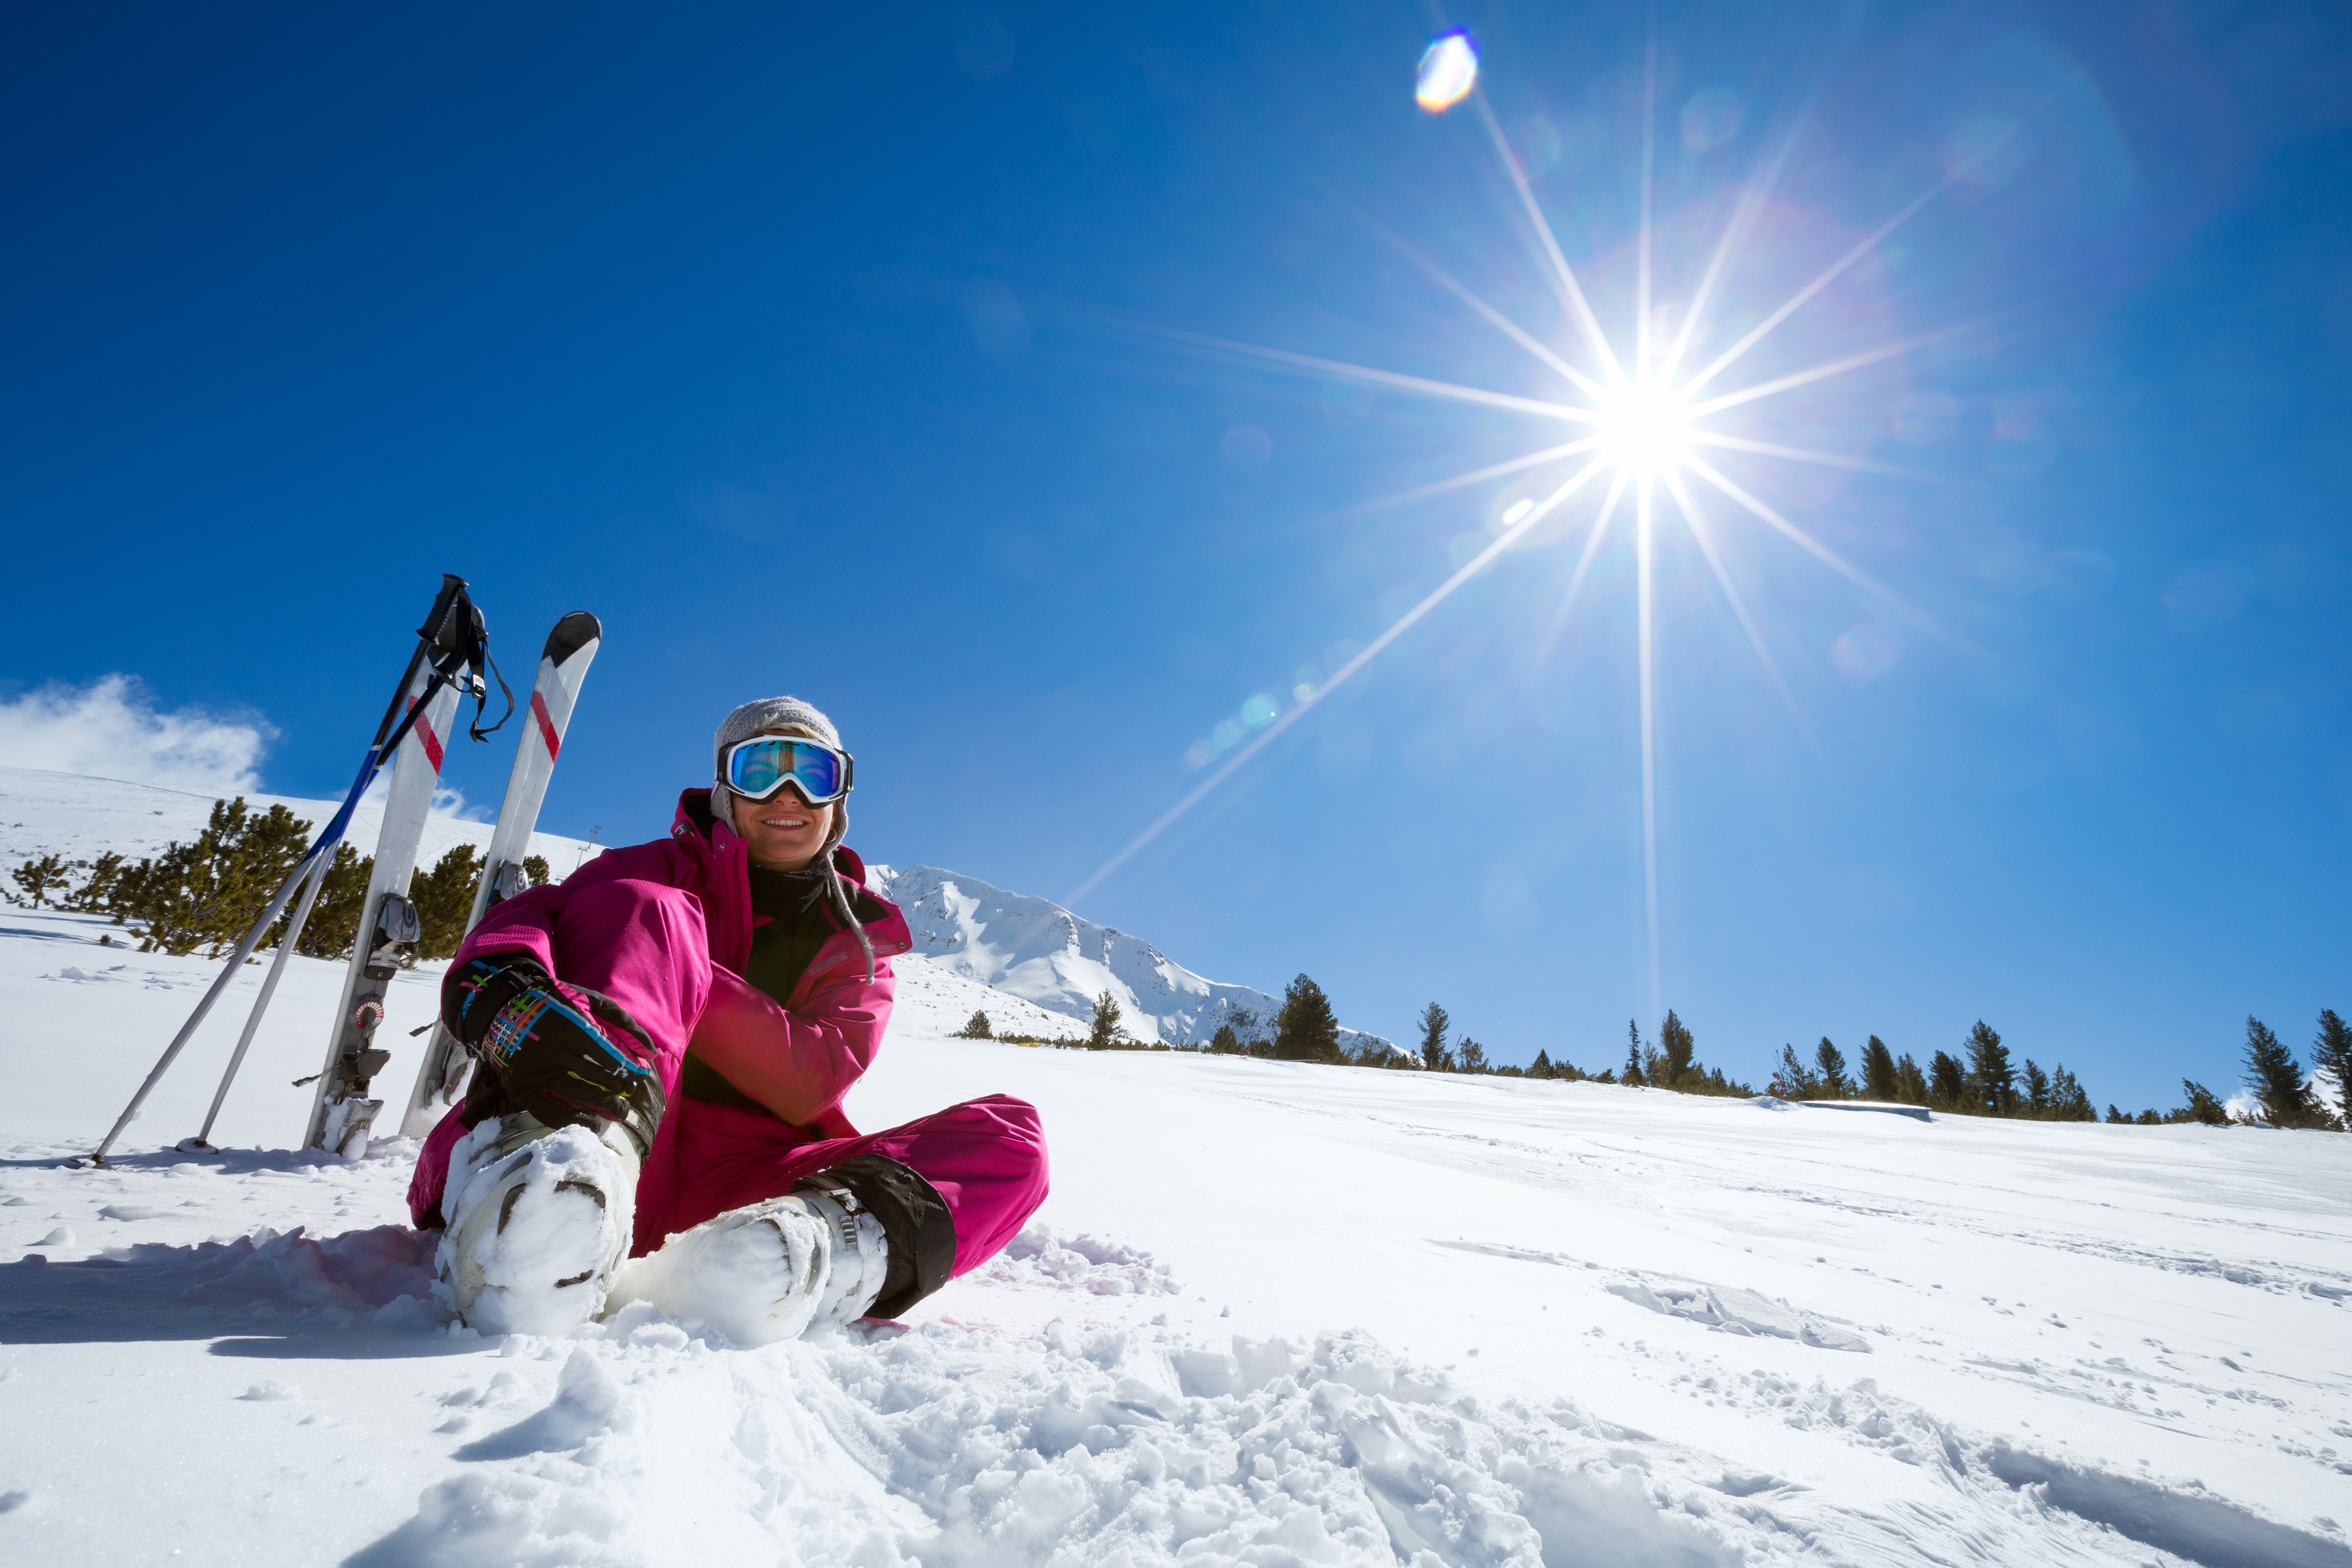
1035,949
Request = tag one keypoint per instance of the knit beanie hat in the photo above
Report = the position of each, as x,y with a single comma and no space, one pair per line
785,716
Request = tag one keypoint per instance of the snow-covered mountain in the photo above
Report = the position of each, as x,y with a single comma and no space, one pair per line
1035,948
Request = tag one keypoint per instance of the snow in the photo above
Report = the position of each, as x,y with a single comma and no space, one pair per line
1035,949
1272,1313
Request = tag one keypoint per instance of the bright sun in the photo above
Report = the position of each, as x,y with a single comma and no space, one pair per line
1644,429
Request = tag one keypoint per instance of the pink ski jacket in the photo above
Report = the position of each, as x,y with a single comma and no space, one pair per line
799,1060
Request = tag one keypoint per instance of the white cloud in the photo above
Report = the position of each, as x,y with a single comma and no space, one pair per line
112,729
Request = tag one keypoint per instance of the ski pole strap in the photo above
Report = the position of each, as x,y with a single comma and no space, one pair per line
482,698
458,638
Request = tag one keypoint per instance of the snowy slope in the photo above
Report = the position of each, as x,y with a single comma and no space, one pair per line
1272,1313
1035,948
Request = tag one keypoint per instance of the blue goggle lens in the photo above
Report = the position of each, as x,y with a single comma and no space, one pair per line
758,768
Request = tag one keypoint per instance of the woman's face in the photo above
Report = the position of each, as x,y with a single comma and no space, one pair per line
784,831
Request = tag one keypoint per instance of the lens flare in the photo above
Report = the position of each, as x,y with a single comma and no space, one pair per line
1449,70
1643,415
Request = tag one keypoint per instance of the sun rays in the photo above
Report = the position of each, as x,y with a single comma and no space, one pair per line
1643,422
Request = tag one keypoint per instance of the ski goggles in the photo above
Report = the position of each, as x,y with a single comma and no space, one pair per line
756,769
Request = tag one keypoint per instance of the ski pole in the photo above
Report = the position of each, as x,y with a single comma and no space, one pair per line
320,852
441,632
244,947
202,1143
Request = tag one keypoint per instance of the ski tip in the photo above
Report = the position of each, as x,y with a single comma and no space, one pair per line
571,634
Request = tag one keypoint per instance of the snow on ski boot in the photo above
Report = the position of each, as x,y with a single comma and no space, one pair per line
770,1271
539,1219
542,1195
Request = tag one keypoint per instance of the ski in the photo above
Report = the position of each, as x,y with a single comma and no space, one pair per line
340,1112
452,650
563,667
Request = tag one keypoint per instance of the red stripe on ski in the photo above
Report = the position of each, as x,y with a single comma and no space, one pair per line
432,741
546,727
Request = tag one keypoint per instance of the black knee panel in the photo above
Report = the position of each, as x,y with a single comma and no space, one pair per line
915,1221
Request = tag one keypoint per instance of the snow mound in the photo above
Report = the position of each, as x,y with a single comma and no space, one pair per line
381,1276
1104,1447
1035,1260
1733,1309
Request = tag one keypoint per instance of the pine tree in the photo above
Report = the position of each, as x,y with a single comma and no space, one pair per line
2068,1103
2116,1117
38,878
534,871
2037,1090
95,895
1474,1056
1836,1085
1542,1066
2276,1078
1433,1054
335,922
212,888
444,896
1910,1083
1225,1043
1948,1081
2204,1105
1633,1073
1677,1051
2331,1052
1794,1080
1992,1081
1305,1029
1103,1033
977,1026
1878,1080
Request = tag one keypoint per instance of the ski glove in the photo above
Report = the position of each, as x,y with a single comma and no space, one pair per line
565,1054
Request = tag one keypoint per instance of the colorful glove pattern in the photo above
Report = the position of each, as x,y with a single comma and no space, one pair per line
551,1050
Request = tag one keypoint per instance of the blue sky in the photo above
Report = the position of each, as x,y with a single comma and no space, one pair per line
830,353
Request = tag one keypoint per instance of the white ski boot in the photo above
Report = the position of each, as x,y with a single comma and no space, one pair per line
770,1271
539,1219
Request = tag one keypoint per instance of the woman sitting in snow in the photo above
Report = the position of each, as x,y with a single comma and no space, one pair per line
662,1044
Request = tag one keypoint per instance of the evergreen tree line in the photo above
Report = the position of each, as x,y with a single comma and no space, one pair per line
1985,1080
206,892
1671,1062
